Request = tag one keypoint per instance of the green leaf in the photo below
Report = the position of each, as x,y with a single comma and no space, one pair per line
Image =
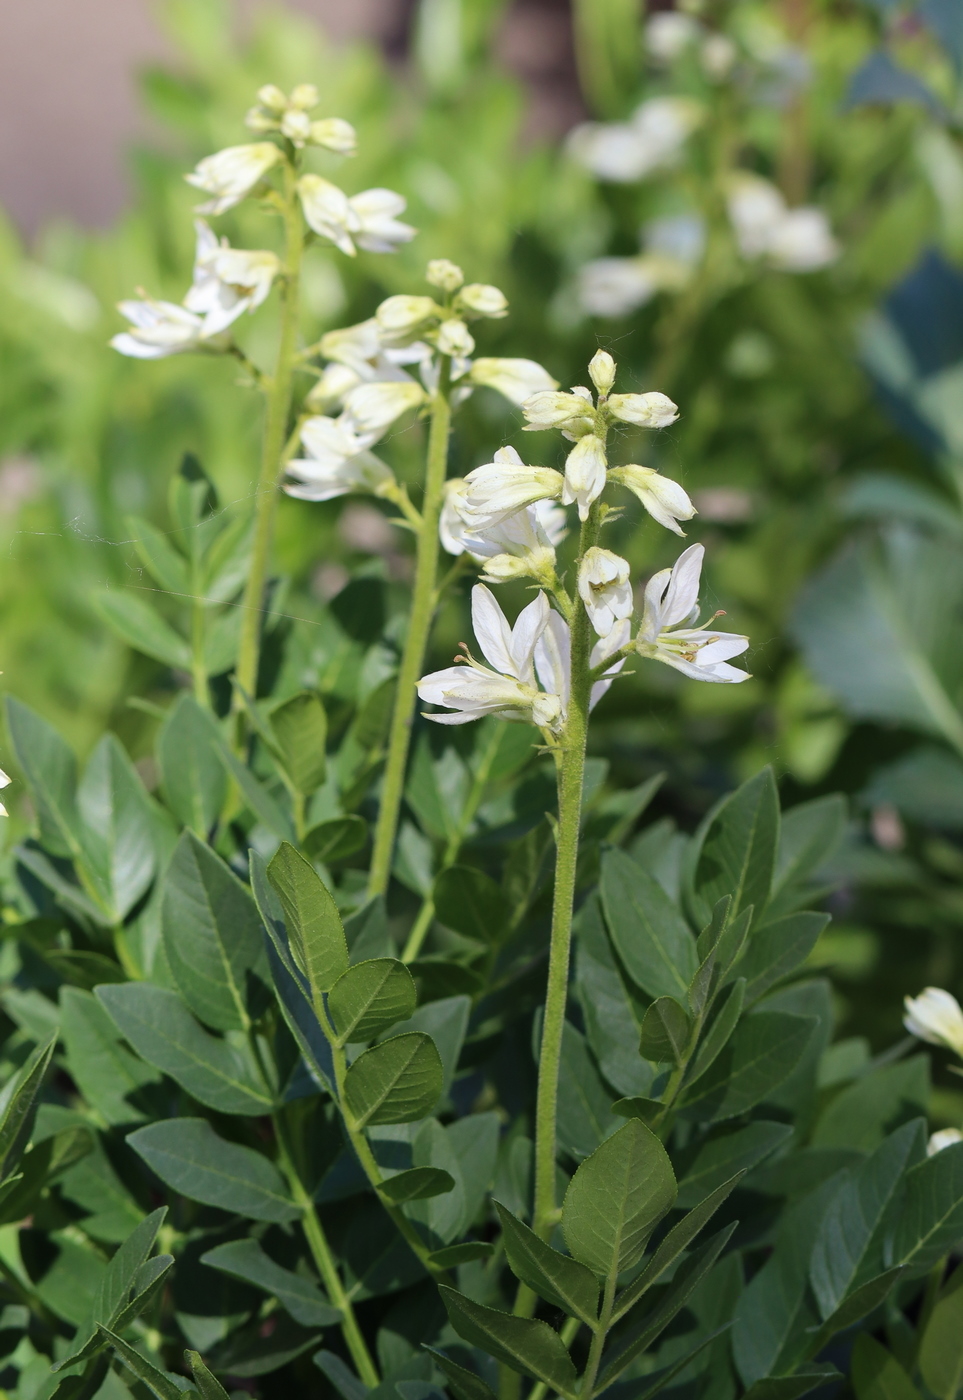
930,1221
941,1349
650,935
717,1037
192,774
665,1032
300,729
676,1241
585,1114
39,1168
314,926
159,1383
212,937
222,637
778,949
446,1021
207,1384
801,1382
559,1280
256,795
762,1053
119,827
735,849
454,1255
523,1345
464,1384
731,1151
336,839
300,1296
808,836
159,1026
877,1375
370,997
398,1081
108,1075
858,1305
470,902
18,1107
638,1330
417,1184
188,1155
166,565
849,1247
616,1198
142,628
864,1112
611,1015
50,771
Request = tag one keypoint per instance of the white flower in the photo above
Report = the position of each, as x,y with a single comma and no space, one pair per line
296,126
5,781
679,238
935,1017
334,383
602,371
553,659
159,329
664,499
231,174
305,96
652,410
509,691
454,338
585,469
671,598
338,461
500,488
627,151
615,286
572,412
371,408
517,380
443,273
605,588
529,536
669,33
334,134
946,1137
795,240
366,220
482,300
401,318
717,55
227,281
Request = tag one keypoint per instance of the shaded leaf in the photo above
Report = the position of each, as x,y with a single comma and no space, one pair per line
559,1280
189,1156
524,1345
651,936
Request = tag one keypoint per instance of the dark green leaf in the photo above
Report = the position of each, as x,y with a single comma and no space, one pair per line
159,1383
454,1255
858,1305
300,1296
142,628
735,849
50,771
207,1384
611,1015
336,839
256,795
778,949
192,774
559,1280
18,1107
665,1032
188,1155
343,1379
118,827
930,1220
212,937
446,1021
370,997
585,1115
731,1151
162,1030
470,902
417,1184
648,1111
464,1385
167,566
941,1349
300,729
801,1382
314,927
524,1345
864,1112
877,1375
616,1198
107,1074
651,936
397,1081
717,1037
764,1050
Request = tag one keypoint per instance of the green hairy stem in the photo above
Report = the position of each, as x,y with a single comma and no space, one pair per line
423,604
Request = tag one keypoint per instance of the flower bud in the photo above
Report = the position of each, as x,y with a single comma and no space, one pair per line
644,410
935,1017
663,498
602,371
371,408
335,135
482,300
271,97
585,474
444,274
305,96
605,589
259,120
553,409
296,126
518,380
454,338
401,317
334,384
945,1137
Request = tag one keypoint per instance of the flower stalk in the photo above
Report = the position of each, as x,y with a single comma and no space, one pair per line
423,604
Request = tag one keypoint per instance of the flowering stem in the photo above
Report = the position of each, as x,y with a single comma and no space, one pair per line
570,761
416,641
278,390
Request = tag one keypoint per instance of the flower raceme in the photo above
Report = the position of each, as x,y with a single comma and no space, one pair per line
509,690
699,651
935,1016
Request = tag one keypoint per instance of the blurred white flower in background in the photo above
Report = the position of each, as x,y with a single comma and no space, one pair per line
338,462
673,246
945,1137
794,240
158,329
651,139
669,33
